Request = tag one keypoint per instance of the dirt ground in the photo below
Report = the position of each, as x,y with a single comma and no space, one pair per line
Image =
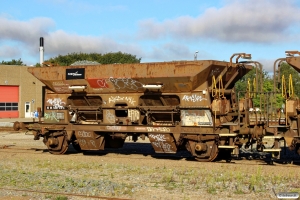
133,172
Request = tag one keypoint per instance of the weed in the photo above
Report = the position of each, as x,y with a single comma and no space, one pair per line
61,198
238,190
48,197
212,190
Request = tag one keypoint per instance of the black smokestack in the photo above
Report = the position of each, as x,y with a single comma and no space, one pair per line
41,51
41,42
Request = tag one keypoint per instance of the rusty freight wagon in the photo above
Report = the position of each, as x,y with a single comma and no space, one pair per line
292,102
178,105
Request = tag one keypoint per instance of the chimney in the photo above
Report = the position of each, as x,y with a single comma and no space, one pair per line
41,51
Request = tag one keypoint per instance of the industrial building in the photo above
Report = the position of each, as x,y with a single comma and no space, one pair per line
20,92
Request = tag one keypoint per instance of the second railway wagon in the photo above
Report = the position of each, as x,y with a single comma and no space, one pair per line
178,105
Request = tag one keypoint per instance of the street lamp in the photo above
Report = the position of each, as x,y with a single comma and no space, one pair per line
195,55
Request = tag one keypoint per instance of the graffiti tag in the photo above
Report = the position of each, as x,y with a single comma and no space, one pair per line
158,129
56,103
118,99
113,128
51,116
125,83
193,98
84,134
110,117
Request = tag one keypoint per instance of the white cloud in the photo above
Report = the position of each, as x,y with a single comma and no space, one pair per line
10,51
24,31
25,38
239,21
60,42
174,51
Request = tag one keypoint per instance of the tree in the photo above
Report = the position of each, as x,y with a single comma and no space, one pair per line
108,58
13,62
285,71
249,80
265,86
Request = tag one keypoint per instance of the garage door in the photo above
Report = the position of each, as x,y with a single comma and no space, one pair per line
9,101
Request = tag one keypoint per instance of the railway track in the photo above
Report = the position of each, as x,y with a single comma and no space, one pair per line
130,150
141,154
71,195
149,154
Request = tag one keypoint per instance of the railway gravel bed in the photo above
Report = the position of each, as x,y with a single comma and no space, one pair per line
133,172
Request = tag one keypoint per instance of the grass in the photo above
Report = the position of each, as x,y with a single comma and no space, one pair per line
61,198
92,178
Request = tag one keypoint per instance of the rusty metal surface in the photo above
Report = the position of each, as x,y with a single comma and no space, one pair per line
294,62
178,105
180,76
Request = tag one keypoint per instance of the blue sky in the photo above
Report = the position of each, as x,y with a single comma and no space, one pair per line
157,30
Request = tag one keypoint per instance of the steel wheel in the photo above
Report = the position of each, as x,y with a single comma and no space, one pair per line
57,142
212,155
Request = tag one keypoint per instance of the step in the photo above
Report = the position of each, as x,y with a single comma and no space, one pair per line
272,137
226,147
230,124
227,134
271,150
279,126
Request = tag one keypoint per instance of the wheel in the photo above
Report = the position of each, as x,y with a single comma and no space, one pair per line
57,142
16,126
211,155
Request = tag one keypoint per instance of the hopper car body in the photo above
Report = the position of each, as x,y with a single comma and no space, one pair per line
177,105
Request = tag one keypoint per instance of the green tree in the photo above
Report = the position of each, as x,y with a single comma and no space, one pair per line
108,58
286,70
250,80
265,86
13,62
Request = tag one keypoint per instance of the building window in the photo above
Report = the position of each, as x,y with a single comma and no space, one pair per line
8,106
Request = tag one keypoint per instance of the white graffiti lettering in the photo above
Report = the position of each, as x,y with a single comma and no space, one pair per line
56,103
134,115
93,143
125,83
82,142
84,134
193,98
164,146
110,117
158,129
113,128
118,99
158,137
160,142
